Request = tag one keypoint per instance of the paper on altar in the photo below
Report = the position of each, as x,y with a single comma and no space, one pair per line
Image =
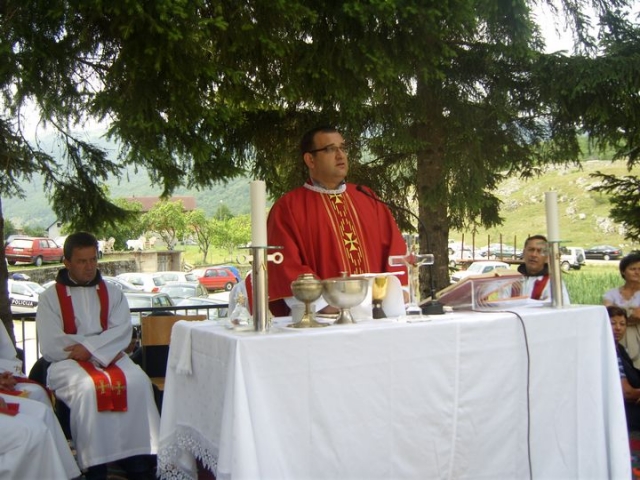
393,303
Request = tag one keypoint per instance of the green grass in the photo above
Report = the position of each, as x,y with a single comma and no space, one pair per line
587,285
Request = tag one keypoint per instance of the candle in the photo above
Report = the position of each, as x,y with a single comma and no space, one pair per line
553,229
258,214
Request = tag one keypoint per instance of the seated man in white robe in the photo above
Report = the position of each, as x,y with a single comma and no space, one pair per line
12,381
32,444
84,326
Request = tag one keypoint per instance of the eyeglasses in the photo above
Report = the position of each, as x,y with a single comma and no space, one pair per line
330,149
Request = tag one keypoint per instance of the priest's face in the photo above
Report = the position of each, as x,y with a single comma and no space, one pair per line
83,264
328,162
535,255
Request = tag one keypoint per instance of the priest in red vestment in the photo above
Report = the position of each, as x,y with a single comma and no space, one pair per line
326,226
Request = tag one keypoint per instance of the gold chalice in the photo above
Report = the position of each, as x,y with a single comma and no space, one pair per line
307,289
378,292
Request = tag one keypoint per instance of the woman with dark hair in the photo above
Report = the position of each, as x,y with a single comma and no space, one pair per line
629,375
628,297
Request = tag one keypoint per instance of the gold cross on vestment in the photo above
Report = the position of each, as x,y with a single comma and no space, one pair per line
350,242
119,388
336,197
102,387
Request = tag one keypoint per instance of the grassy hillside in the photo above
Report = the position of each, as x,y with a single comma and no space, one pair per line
583,214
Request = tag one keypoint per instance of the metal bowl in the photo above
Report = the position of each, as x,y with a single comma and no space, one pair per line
345,293
306,288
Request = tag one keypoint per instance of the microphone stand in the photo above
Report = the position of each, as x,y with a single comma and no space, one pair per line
432,307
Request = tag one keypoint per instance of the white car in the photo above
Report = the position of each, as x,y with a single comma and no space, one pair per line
177,276
24,295
478,268
459,254
572,257
149,282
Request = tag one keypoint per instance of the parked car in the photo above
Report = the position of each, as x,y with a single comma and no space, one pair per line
603,252
571,257
216,278
478,268
122,284
496,250
177,276
24,295
36,250
147,300
459,254
179,290
149,282
234,270
202,305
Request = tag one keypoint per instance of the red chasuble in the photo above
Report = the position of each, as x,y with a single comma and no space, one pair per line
326,234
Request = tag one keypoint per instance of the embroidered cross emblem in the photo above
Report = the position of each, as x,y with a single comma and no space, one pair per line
336,197
102,387
350,242
119,388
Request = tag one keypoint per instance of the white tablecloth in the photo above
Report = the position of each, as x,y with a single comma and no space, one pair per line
445,399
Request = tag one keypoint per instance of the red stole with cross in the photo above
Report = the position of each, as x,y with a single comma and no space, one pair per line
110,382
538,287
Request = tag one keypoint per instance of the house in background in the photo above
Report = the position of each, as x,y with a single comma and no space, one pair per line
54,230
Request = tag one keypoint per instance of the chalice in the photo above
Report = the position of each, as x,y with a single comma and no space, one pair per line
378,292
307,289
344,293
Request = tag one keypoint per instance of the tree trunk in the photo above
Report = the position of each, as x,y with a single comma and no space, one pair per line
5,304
432,191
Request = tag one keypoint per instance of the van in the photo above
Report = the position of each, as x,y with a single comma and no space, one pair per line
572,258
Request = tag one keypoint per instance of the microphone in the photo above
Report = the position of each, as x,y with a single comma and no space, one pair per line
432,307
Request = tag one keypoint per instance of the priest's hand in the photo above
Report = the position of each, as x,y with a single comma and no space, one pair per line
78,352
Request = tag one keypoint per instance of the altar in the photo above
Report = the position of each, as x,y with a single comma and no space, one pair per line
533,393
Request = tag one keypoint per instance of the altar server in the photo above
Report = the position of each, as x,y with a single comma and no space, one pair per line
32,444
328,226
84,325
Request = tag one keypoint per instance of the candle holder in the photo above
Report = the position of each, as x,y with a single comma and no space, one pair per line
259,259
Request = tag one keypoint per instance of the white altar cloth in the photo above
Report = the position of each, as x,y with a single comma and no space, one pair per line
445,399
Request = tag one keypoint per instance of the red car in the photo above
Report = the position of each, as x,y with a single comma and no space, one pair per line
36,250
216,278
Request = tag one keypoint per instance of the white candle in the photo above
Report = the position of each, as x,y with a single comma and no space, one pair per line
258,214
553,228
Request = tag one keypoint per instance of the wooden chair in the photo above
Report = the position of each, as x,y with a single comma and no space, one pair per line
155,338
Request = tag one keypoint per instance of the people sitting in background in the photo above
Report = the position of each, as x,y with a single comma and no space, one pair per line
629,375
628,297
84,326
12,380
537,282
32,444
